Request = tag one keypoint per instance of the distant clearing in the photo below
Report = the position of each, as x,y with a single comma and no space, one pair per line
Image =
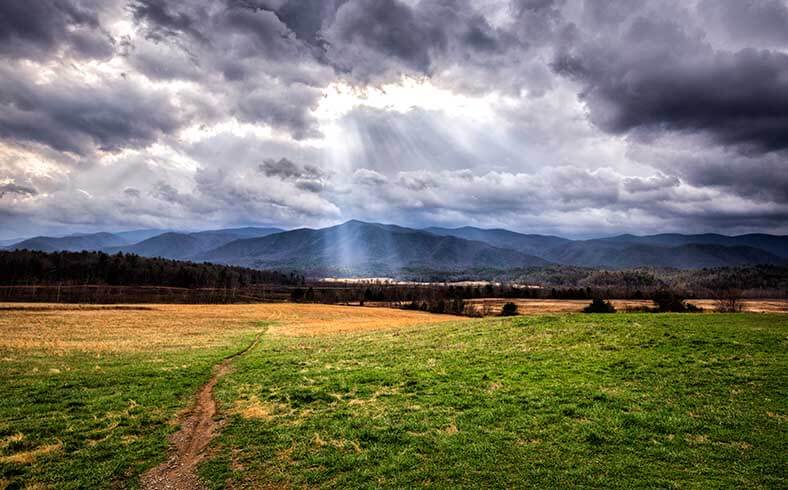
173,327
539,306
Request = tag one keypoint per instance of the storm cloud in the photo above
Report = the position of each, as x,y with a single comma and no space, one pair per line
575,117
41,29
668,79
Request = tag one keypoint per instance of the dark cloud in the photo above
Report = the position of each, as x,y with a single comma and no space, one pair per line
282,168
16,189
306,18
387,27
750,21
751,176
132,192
242,52
537,21
74,117
286,169
372,39
169,19
164,191
311,185
307,177
43,28
660,76
281,106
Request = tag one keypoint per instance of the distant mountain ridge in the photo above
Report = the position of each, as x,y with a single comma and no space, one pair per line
664,250
72,243
777,245
361,248
689,256
367,248
530,244
174,245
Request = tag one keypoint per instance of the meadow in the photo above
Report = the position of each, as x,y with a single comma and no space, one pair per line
334,396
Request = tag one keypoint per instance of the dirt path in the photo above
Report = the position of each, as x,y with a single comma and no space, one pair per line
197,430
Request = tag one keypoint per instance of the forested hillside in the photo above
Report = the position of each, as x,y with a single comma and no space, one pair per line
75,268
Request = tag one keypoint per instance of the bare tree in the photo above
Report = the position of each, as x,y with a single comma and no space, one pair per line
728,300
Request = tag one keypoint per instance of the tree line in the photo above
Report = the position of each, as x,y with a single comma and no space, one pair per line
27,268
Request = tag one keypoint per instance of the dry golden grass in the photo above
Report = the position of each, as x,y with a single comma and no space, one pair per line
27,457
254,408
749,305
536,306
65,328
6,441
312,320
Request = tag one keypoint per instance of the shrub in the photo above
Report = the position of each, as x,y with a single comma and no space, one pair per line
509,309
671,301
599,305
472,311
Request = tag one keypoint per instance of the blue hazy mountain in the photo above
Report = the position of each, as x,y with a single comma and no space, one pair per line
357,247
526,243
173,245
361,248
72,243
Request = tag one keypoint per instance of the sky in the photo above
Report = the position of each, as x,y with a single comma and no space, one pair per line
569,117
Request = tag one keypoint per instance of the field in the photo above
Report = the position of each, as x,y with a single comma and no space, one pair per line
533,306
333,396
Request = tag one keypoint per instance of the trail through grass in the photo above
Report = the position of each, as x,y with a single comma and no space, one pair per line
102,418
360,397
88,395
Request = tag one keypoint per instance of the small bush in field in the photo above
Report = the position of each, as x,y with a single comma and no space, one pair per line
598,305
671,301
509,309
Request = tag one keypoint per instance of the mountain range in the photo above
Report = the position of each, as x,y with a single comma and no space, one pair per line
363,249
356,247
173,245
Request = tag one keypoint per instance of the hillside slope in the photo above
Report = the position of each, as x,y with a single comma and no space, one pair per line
366,248
72,243
600,253
188,245
526,243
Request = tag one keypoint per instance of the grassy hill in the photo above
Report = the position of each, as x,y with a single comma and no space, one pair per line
350,397
619,401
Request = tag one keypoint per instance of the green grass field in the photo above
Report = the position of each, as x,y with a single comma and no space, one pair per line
624,400
83,420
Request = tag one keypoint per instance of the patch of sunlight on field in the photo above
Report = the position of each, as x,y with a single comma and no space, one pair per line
58,328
